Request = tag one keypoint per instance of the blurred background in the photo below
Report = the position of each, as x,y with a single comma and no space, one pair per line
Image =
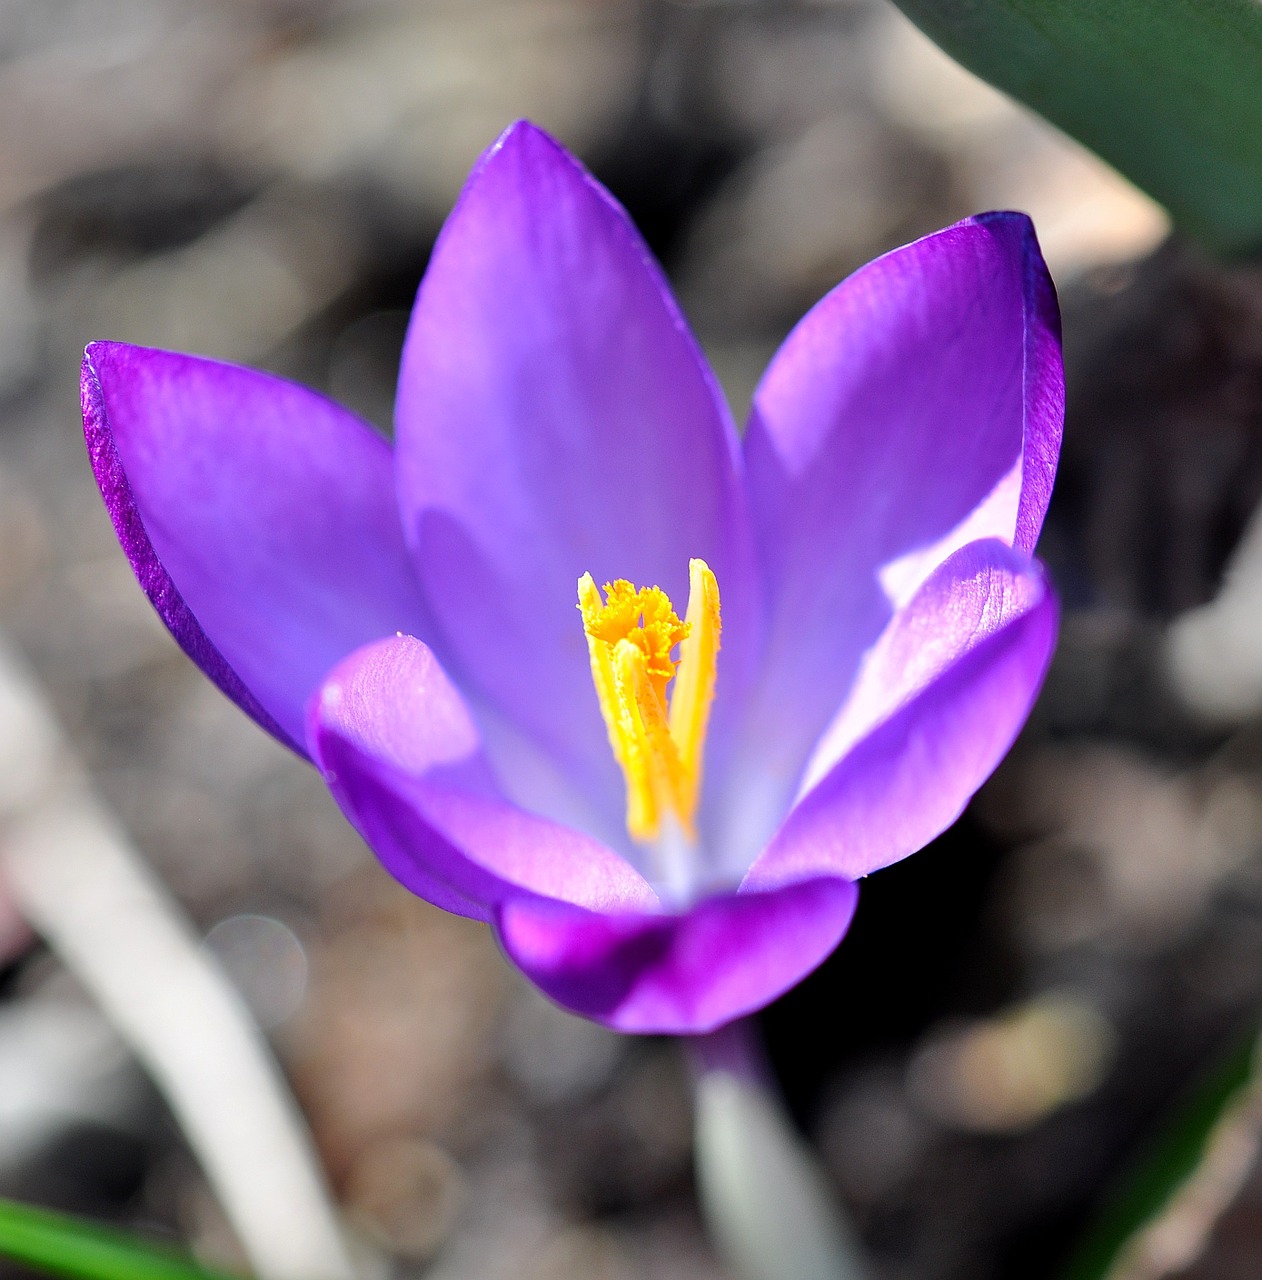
261,180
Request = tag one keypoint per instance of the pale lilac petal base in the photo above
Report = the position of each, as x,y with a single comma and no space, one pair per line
678,974
401,754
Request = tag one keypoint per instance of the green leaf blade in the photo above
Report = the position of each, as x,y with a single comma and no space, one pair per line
1167,91
59,1245
1178,1154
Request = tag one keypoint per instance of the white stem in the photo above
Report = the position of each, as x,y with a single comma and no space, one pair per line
768,1207
80,882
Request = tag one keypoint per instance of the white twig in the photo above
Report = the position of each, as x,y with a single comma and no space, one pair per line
80,882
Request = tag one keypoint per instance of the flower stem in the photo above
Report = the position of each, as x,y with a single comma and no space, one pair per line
766,1202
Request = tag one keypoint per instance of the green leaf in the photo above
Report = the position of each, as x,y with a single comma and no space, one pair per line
1225,1097
1167,91
63,1246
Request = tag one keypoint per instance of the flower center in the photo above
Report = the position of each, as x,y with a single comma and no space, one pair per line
657,740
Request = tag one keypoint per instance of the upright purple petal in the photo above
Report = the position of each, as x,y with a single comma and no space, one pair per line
678,974
555,417
259,517
936,706
917,408
403,757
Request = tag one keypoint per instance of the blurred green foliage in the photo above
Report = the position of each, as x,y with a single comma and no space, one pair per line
1178,1153
1167,91
63,1246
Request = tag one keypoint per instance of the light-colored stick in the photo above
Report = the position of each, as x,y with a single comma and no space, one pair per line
84,887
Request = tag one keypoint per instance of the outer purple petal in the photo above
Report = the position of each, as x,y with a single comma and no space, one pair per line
937,705
555,417
259,518
678,975
918,407
402,756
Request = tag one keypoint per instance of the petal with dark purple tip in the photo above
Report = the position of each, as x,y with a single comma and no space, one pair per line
917,408
401,753
678,974
937,705
555,417
258,516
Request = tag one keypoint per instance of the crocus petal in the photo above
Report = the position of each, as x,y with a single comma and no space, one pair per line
678,974
403,757
259,518
937,705
918,407
555,418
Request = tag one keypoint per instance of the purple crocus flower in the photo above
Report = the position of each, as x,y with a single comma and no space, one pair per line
661,856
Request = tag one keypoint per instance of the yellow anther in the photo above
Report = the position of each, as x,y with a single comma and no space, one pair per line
652,763
698,670
658,743
646,618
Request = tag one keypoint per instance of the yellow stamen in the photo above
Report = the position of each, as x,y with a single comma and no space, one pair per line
658,744
698,670
652,767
